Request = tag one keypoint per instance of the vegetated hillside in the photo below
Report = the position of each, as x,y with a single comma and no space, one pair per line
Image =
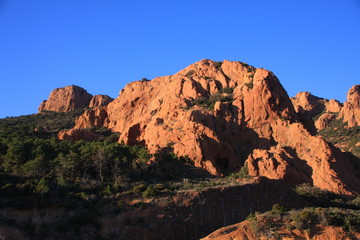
51,189
337,123
308,223
176,157
344,137
223,115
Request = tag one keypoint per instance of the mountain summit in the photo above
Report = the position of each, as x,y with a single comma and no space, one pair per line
222,116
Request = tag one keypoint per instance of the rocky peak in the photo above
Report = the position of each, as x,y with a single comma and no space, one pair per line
221,115
307,104
350,113
66,99
100,100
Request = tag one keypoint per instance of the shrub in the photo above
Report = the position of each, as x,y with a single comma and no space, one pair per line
139,188
243,172
227,90
217,64
277,208
250,85
150,192
209,102
190,73
42,186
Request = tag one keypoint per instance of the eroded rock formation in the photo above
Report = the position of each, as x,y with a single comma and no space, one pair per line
221,115
350,113
69,98
99,101
306,103
324,120
66,99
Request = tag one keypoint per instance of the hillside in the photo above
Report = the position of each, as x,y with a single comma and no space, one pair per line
176,157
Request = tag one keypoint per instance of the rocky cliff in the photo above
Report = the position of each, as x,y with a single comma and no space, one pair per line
69,98
66,99
221,115
350,113
99,101
306,103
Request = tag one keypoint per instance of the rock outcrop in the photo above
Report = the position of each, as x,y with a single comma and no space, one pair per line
78,134
324,120
306,103
66,99
221,115
350,113
100,100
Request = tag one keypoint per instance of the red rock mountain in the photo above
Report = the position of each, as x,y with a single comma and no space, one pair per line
70,98
99,101
351,110
222,115
66,99
306,103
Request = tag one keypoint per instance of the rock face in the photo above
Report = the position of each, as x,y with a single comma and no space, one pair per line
350,113
66,99
222,115
308,106
99,101
306,103
324,120
78,134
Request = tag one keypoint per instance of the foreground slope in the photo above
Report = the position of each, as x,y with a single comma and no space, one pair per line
222,115
308,223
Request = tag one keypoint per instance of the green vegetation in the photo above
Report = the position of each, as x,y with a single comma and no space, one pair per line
208,102
227,90
339,134
190,73
250,85
269,223
324,198
39,171
217,64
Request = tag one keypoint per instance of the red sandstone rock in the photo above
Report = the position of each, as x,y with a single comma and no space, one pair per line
350,113
66,99
306,103
259,125
333,106
100,100
324,120
78,134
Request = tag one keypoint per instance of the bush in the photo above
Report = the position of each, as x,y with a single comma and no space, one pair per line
209,102
217,64
227,90
150,192
277,208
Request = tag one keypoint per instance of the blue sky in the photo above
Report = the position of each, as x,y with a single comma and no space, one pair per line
102,45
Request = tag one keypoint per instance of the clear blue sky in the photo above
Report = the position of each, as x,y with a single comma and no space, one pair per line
102,45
